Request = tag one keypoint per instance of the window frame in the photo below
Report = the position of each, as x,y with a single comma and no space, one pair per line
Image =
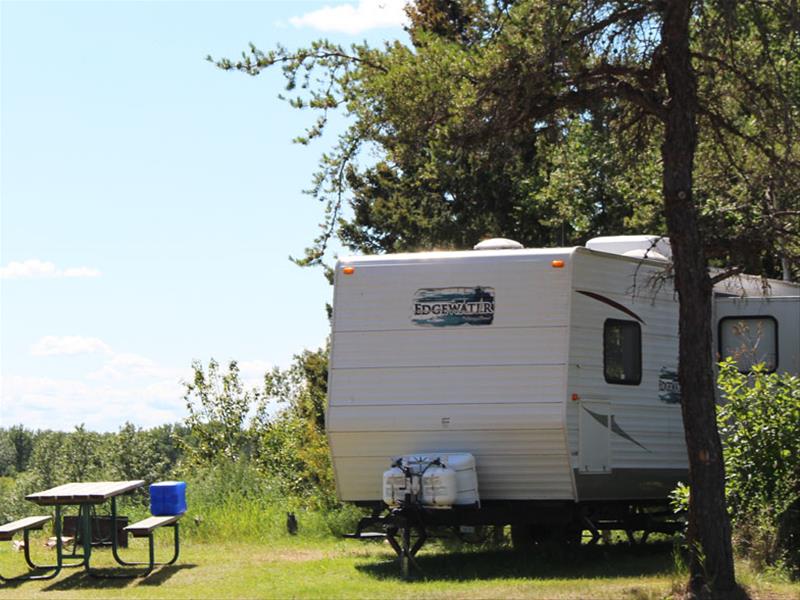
638,326
742,318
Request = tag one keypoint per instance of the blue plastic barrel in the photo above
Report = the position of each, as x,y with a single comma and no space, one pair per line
167,498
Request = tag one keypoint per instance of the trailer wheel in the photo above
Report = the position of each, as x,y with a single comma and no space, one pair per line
571,536
525,536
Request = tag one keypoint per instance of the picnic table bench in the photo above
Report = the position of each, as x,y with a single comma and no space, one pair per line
145,528
26,524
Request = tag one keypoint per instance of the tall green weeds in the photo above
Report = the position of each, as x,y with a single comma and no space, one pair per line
237,501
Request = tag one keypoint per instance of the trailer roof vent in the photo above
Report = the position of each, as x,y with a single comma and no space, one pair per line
498,244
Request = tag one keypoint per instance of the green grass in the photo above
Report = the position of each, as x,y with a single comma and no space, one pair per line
317,567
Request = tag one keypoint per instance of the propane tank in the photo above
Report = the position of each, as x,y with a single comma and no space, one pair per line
395,486
439,487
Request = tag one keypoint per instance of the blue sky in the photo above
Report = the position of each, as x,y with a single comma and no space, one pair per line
149,201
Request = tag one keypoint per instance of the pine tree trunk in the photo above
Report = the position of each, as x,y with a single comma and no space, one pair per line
709,532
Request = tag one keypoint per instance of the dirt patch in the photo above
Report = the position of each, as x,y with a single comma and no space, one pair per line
290,555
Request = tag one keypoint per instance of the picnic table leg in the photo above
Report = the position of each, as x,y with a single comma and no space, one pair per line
58,531
77,533
151,563
176,545
56,568
115,542
86,539
152,551
86,527
115,553
59,552
151,545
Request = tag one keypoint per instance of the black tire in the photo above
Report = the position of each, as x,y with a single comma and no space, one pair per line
522,537
525,537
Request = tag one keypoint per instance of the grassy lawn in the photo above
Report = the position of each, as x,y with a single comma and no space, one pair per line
327,568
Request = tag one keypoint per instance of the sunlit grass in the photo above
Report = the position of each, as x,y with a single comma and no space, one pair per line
311,565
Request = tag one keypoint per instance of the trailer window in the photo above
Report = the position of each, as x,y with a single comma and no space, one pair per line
622,352
749,341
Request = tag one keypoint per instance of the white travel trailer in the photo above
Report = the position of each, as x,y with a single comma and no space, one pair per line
555,369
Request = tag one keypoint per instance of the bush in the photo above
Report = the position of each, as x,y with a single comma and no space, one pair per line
759,422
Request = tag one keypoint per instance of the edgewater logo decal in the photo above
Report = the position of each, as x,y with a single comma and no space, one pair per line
669,390
452,306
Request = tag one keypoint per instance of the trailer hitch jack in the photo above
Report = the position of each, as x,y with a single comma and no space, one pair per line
406,551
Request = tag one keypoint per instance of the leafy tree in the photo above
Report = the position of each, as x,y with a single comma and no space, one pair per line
303,387
135,454
163,441
747,180
8,455
23,440
470,126
45,465
293,447
218,406
81,455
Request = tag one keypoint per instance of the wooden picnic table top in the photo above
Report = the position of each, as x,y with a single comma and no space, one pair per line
87,492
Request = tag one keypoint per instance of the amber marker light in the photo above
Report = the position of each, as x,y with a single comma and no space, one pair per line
349,270
557,264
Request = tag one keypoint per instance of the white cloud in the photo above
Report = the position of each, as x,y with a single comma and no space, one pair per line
254,368
126,366
252,372
126,387
81,272
52,345
34,268
355,18
126,359
51,403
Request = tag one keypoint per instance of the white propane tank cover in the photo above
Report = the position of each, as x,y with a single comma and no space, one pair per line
463,463
439,487
457,473
655,246
498,244
395,486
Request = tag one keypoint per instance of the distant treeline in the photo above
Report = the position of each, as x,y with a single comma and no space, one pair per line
263,441
54,457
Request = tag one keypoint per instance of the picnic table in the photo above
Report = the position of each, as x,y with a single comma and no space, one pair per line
87,495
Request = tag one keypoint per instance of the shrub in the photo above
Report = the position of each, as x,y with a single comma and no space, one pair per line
759,422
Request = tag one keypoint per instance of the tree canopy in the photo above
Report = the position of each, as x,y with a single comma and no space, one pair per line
542,121
551,121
